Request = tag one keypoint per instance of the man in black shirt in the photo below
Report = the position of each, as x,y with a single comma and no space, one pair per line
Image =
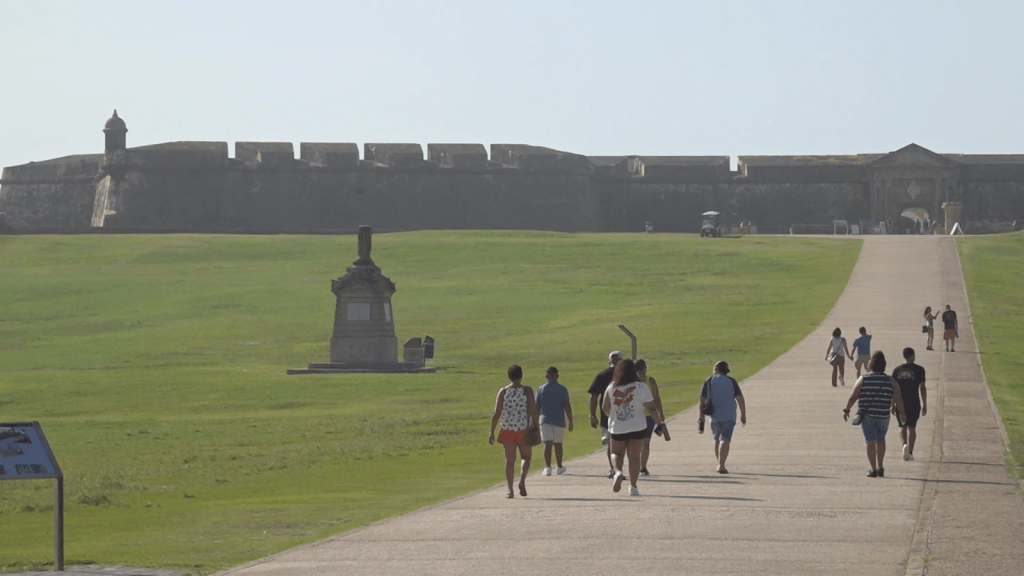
911,378
596,391
950,327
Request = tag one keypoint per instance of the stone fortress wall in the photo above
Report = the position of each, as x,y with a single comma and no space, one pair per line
265,188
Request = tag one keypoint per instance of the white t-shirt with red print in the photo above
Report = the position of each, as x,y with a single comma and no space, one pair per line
627,407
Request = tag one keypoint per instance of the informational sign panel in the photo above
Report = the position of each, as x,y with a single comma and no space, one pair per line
25,454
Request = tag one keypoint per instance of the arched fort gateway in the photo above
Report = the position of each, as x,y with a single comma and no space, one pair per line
264,188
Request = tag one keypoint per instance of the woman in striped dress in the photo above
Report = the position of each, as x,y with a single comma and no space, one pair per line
875,394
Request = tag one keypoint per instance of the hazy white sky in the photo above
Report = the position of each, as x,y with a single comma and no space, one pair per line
591,77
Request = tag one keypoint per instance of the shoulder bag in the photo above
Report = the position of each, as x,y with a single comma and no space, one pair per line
532,437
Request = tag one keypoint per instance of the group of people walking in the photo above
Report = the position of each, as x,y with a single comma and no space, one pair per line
631,411
631,414
837,352
545,416
879,396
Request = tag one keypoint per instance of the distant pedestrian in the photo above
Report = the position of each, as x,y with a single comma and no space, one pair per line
862,345
555,411
836,354
911,379
596,391
875,393
641,372
516,408
929,326
624,403
950,329
724,394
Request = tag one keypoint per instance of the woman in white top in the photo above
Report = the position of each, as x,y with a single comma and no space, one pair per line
929,325
838,351
624,403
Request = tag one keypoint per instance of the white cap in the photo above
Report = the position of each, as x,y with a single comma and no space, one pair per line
614,354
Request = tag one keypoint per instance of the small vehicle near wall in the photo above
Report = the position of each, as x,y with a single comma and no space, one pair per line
711,226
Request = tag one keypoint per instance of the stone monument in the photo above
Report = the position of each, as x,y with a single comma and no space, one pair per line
364,339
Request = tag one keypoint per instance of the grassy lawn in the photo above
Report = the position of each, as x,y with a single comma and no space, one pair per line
994,271
156,366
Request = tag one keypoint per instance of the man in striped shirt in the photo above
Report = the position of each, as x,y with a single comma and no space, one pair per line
875,393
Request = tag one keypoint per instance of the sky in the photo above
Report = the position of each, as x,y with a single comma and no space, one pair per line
596,78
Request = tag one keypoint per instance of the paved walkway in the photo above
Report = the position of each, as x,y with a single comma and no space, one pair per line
797,500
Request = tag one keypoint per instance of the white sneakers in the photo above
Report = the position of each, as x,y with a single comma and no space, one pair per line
617,483
547,471
560,470
634,491
906,452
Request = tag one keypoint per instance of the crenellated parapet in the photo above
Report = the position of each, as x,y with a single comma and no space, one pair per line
331,186
402,156
468,157
267,155
540,160
82,167
833,168
178,156
337,156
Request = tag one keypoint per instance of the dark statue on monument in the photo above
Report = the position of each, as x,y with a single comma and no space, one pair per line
365,245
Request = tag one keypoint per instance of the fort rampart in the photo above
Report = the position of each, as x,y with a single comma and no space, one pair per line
330,187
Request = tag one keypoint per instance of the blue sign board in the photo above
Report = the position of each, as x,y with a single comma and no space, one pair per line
25,454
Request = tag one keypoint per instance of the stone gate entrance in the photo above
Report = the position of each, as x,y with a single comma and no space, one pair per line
908,187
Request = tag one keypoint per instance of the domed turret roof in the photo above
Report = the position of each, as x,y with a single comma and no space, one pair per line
115,123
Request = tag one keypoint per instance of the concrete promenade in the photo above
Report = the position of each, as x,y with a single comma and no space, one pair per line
797,500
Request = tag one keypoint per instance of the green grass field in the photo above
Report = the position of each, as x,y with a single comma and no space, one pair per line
994,271
156,366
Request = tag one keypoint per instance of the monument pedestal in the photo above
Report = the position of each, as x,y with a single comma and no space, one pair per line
377,350
364,329
356,368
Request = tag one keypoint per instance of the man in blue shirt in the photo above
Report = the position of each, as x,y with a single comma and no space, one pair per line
862,344
723,392
555,410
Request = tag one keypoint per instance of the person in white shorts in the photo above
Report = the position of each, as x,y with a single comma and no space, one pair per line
555,412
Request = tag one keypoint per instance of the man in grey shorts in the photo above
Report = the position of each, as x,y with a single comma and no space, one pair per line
724,393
